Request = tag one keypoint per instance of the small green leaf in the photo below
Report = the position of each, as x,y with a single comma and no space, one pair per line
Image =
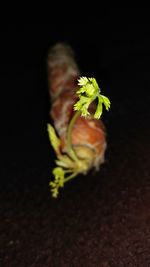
55,141
90,90
87,93
106,102
84,110
78,105
99,109
95,84
88,86
83,104
82,81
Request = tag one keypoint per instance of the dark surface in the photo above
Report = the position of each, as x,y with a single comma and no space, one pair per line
99,220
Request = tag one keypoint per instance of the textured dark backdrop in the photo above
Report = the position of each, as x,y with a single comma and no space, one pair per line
99,220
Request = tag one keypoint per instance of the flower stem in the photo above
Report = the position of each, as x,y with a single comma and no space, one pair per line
70,149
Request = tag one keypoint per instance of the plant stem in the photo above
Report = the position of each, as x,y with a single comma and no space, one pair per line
71,176
70,149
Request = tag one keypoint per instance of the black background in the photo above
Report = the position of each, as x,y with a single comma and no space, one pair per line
101,219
